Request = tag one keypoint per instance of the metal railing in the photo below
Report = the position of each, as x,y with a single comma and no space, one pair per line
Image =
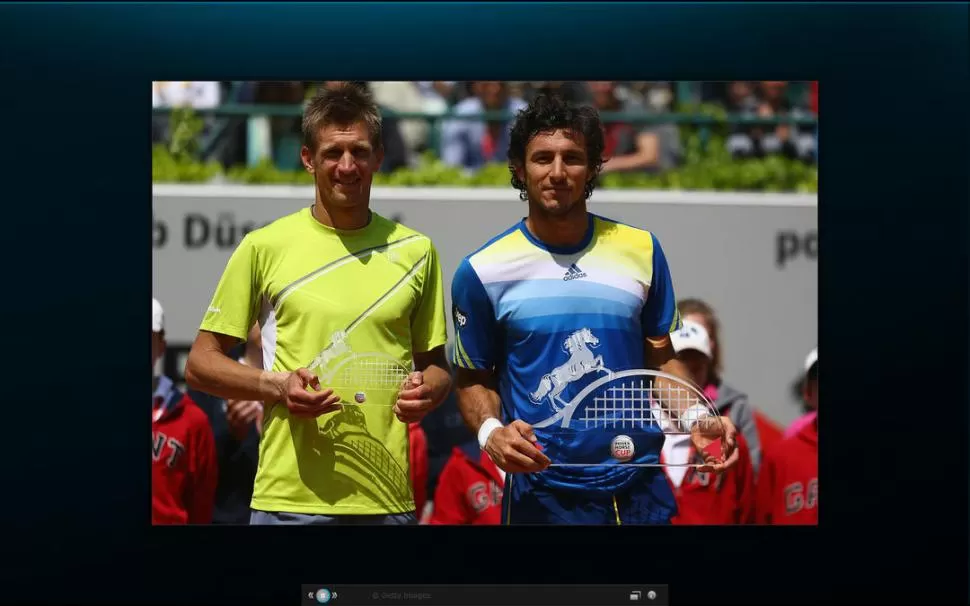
259,140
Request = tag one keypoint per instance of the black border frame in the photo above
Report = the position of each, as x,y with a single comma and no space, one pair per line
893,293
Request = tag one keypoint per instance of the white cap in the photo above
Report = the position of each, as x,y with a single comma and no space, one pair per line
158,316
691,336
811,360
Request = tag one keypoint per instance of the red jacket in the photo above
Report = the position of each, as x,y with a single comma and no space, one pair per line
184,467
787,490
711,499
769,433
469,489
418,456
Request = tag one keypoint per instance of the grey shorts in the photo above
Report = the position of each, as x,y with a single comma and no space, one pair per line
278,518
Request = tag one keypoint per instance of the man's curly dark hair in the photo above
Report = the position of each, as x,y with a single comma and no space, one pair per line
548,113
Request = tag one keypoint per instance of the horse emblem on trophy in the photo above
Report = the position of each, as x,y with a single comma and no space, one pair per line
581,362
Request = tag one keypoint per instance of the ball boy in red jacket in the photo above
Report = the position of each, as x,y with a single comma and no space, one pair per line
788,480
184,470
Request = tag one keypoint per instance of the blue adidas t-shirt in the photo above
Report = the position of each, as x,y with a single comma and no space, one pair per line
536,313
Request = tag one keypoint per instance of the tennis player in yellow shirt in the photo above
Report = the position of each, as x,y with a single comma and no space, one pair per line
331,283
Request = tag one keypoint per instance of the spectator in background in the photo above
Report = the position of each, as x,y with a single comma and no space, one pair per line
633,147
787,492
739,99
809,396
438,96
470,489
280,92
418,467
656,96
184,468
754,426
703,497
236,426
197,95
785,139
403,97
471,144
445,429
573,92
282,134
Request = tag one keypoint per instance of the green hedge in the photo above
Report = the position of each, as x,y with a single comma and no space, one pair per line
707,167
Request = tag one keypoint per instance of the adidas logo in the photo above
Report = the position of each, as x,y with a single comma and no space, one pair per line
574,273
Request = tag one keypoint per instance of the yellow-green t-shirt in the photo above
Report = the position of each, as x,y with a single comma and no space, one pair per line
377,289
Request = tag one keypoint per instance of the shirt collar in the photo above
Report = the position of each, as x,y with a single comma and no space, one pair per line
163,390
165,399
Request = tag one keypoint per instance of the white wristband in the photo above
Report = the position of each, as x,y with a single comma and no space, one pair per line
692,415
486,429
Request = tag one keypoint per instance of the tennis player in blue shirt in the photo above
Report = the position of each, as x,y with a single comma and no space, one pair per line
556,301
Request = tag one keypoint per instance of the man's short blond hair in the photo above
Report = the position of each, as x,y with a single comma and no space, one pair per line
342,105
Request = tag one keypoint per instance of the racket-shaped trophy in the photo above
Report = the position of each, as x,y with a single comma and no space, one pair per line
622,418
366,379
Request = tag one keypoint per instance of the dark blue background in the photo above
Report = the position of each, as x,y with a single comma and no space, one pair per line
74,94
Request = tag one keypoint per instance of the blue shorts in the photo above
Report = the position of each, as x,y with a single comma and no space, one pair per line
649,500
278,518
